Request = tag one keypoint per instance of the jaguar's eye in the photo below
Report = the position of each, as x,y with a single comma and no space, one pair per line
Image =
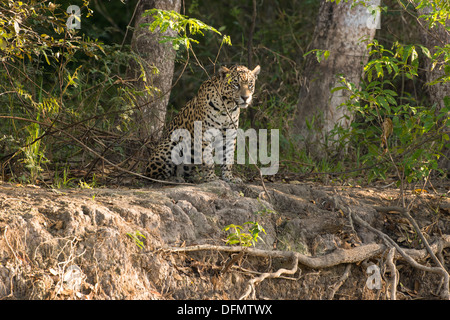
236,86
250,86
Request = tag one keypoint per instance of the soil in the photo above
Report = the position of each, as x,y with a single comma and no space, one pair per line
117,243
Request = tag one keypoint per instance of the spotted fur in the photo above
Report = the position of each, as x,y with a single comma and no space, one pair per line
217,105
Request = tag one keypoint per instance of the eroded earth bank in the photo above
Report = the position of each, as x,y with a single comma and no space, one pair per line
168,243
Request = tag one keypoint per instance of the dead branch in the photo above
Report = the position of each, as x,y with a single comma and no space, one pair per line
120,168
406,214
277,274
248,271
341,281
406,256
232,261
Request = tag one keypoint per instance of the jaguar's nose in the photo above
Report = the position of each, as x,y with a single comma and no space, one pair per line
245,98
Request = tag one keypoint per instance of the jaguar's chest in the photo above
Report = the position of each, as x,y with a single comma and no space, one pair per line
221,117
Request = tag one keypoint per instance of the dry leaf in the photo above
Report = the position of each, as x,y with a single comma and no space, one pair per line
387,128
279,222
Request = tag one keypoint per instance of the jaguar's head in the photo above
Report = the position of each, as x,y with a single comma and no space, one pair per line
239,83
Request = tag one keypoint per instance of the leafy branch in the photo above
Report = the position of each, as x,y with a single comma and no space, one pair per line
184,26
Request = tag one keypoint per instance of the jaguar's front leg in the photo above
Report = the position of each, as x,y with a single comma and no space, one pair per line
205,171
228,157
227,174
160,165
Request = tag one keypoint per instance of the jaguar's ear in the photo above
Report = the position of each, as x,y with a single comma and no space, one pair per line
223,71
256,71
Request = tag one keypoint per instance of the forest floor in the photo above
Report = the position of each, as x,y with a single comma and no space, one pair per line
168,242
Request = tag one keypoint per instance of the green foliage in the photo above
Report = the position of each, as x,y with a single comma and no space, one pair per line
237,235
320,54
438,11
245,239
394,133
34,153
184,26
57,84
392,95
62,181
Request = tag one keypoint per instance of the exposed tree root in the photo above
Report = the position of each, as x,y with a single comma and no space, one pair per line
334,258
341,256
393,270
338,256
408,254
406,214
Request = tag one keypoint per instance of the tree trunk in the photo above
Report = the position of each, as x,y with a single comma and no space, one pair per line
339,29
158,61
431,38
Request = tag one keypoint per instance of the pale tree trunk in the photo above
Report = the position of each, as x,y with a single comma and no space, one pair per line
339,29
431,38
158,61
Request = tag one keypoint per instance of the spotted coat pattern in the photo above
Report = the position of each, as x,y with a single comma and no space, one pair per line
217,106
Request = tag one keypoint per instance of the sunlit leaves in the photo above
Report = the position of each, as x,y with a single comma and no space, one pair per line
434,12
184,27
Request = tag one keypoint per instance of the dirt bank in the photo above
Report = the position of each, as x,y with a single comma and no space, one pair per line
125,243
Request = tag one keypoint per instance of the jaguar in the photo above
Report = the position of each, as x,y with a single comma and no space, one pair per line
215,108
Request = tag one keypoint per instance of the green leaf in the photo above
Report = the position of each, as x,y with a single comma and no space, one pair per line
338,88
369,76
3,44
391,100
379,69
426,52
390,92
382,102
